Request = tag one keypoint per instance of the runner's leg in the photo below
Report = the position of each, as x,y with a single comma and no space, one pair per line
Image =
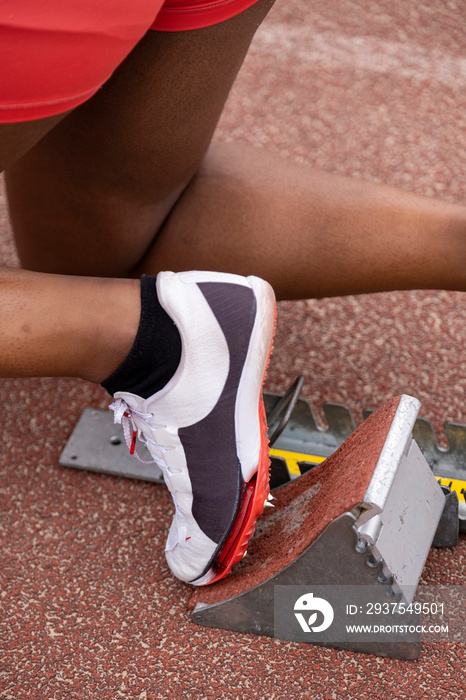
135,192
54,325
310,233
91,196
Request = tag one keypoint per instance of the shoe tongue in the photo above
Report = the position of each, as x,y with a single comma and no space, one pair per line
134,402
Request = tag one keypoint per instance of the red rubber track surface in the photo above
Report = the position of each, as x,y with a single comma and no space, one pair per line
88,608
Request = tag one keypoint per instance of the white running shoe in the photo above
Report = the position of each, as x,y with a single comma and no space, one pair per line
206,428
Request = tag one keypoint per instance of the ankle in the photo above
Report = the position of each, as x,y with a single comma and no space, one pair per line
114,327
155,354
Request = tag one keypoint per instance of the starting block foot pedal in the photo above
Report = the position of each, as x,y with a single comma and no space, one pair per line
366,518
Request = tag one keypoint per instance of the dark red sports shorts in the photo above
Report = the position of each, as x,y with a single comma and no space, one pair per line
55,54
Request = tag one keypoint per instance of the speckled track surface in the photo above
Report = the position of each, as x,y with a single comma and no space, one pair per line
373,88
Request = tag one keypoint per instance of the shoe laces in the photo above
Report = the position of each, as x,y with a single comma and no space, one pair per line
124,415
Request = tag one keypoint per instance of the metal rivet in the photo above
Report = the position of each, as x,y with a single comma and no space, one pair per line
373,562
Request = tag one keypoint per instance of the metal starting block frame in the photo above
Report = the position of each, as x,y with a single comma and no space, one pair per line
98,445
383,541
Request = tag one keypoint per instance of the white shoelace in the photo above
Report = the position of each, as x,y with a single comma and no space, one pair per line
124,415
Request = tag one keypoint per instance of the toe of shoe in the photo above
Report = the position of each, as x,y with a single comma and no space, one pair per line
189,556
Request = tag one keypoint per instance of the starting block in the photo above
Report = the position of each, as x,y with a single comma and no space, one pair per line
298,444
364,512
367,517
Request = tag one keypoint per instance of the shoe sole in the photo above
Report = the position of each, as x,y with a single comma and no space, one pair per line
255,493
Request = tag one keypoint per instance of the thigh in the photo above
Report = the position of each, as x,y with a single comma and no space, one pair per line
91,196
55,55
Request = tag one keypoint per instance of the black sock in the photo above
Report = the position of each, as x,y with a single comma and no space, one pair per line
156,352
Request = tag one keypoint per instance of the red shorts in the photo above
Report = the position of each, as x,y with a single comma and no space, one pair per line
55,54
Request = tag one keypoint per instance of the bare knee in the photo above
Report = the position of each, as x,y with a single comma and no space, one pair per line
80,227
